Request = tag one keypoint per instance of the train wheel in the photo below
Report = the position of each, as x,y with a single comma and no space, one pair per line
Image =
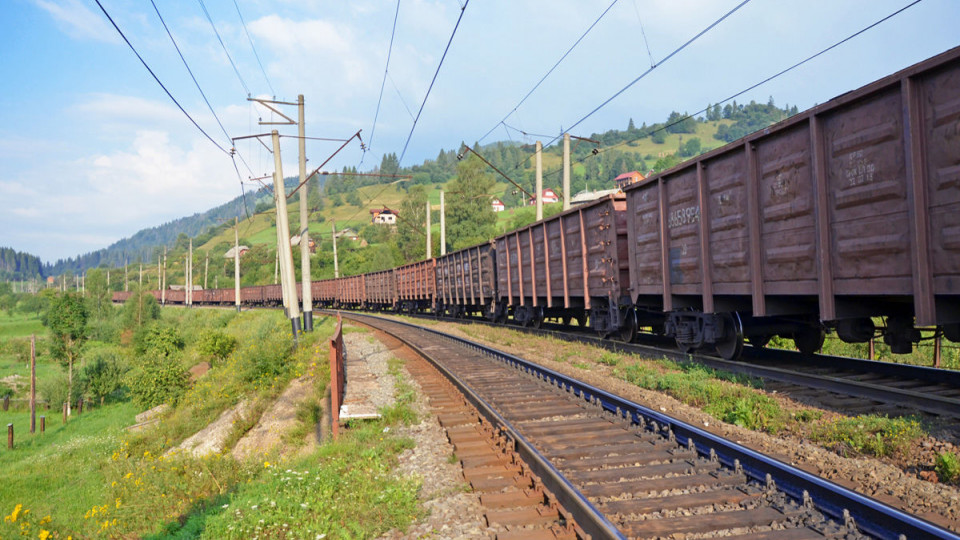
731,345
629,329
809,339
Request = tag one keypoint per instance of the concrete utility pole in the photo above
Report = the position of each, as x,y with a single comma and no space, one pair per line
443,226
336,265
286,257
284,293
190,273
206,267
33,383
125,264
276,260
304,225
83,283
566,171
539,181
429,239
159,273
163,284
236,262
141,275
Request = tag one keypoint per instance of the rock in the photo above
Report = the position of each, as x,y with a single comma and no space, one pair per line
152,413
199,370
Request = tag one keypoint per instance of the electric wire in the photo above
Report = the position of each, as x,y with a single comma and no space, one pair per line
154,75
235,70
547,74
634,81
644,34
434,80
386,70
247,32
399,95
749,88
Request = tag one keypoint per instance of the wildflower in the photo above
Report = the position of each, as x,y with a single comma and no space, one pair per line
44,534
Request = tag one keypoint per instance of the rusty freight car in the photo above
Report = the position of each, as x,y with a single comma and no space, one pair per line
324,292
844,213
381,289
351,293
466,282
417,286
573,265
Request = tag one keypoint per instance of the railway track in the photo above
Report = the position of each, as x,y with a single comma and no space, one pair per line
620,470
828,381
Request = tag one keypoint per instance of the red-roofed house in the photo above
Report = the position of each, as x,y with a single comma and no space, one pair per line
497,205
626,179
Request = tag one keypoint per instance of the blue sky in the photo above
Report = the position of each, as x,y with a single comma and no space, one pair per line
93,150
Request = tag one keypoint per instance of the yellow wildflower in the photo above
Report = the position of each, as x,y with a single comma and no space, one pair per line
44,534
12,518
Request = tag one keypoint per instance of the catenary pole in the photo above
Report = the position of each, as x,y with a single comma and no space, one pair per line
280,194
566,171
236,262
429,240
304,224
336,264
539,181
443,226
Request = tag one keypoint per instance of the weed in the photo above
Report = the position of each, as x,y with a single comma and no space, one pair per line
870,434
807,415
947,467
581,365
608,358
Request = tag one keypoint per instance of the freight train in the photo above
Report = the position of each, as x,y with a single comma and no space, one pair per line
836,217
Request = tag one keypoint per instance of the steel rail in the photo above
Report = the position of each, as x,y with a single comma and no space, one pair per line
591,520
871,516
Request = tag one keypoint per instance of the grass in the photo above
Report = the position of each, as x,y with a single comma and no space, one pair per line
870,434
13,326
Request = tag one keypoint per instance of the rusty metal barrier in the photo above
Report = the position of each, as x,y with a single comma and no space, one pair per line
337,376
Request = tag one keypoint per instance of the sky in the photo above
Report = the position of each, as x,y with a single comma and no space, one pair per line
93,150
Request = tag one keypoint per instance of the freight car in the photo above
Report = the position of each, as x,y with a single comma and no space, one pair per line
841,214
467,282
417,286
569,266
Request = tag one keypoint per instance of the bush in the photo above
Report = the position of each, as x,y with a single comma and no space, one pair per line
947,467
104,375
216,343
54,390
159,340
159,379
140,309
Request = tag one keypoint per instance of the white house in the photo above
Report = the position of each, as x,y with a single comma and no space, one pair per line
497,205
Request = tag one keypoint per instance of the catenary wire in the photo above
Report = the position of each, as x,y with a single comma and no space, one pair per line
224,47
547,74
154,75
250,39
434,80
386,69
751,87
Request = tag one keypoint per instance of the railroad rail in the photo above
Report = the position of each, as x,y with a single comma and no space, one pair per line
623,470
895,388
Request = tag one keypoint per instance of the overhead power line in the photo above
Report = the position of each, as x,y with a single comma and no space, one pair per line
386,70
235,70
244,23
749,88
154,75
447,49
547,74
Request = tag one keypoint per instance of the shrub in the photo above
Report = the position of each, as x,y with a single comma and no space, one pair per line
158,340
159,379
104,375
947,467
54,389
216,343
870,434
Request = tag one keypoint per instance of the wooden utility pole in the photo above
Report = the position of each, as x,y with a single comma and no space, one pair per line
304,224
159,273
236,262
539,181
33,383
443,226
141,275
566,171
125,280
85,285
283,226
429,240
336,265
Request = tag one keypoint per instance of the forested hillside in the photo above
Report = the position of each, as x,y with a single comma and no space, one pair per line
17,266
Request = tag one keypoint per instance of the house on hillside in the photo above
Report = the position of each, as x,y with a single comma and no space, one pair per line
626,179
229,254
383,216
549,196
497,205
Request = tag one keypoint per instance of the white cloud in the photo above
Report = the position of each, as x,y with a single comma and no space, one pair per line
77,21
